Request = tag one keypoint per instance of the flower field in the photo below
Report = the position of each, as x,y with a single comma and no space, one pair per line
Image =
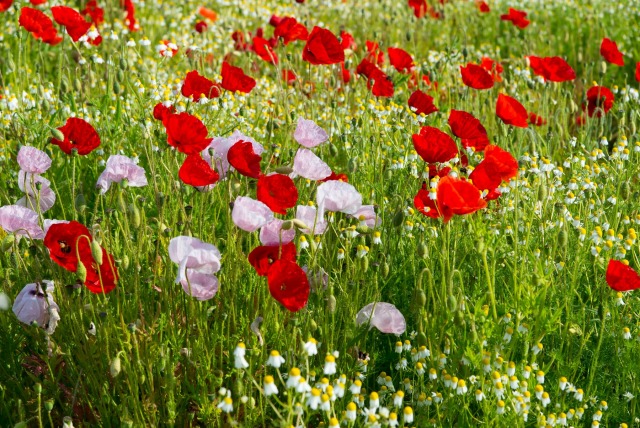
306,213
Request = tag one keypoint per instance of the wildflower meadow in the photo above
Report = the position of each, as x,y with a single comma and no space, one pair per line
319,213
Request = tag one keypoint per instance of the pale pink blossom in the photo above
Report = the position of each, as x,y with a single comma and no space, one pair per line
35,304
270,233
338,196
249,214
309,134
306,164
119,168
216,155
368,214
32,160
29,183
309,216
383,316
197,263
46,199
20,221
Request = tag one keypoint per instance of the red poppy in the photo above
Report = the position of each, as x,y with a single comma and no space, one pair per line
434,145
278,192
95,12
419,7
536,120
130,17
242,157
511,112
65,241
39,25
599,101
37,2
5,5
288,284
345,74
609,51
208,13
374,53
197,172
554,69
186,133
289,76
483,6
493,67
290,30
400,60
103,278
497,166
275,20
468,129
234,79
197,86
621,277
638,71
161,112
322,48
262,257
201,27
424,204
335,177
347,41
79,135
263,49
422,103
476,77
71,20
458,197
382,86
517,18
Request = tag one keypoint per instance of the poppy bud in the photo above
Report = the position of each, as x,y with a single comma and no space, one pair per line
22,424
81,203
408,36
125,262
365,264
481,246
633,127
48,405
77,85
352,166
122,206
563,238
385,269
38,388
239,387
64,86
120,76
96,252
398,218
115,367
364,230
236,186
287,225
7,242
458,319
573,107
123,64
57,134
286,170
536,280
542,192
134,214
331,303
313,326
603,67
299,224
116,88
452,303
419,298
81,271
45,105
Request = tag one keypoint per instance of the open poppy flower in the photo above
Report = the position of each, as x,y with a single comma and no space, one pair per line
249,214
121,168
422,103
103,278
242,157
39,25
264,256
458,197
273,234
322,48
288,284
20,221
309,134
554,69
400,60
338,196
374,53
511,112
278,192
383,316
197,86
476,77
382,86
306,164
536,120
599,101
5,5
71,20
609,51
309,215
161,112
621,277
493,67
234,79
197,262
130,16
33,305
197,172
468,129
79,135
94,12
517,18
483,7
424,204
290,30
208,13
347,41
434,145
419,7
186,133
497,166
263,49
32,160
65,241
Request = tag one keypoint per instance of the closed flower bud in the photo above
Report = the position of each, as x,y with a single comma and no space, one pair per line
134,215
313,326
603,68
364,229
422,250
452,303
81,203
299,224
7,242
57,134
286,170
81,271
626,190
385,269
125,262
542,192
122,206
96,252
115,367
331,303
287,225
419,298
459,318
77,85
364,264
38,388
398,218
48,405
352,166
563,238
333,150
120,76
123,64
117,89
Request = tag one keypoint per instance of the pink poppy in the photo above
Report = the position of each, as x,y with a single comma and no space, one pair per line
309,134
338,196
368,214
46,199
383,316
272,233
35,304
307,165
249,214
29,183
33,160
20,221
197,263
309,216
120,168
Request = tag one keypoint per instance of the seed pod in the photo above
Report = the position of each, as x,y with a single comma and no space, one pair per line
115,367
96,252
452,303
119,76
385,269
48,405
333,150
134,215
81,271
116,88
57,134
398,218
331,303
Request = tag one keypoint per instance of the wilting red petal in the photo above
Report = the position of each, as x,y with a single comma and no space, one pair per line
422,103
74,23
289,30
195,171
79,135
243,158
599,101
458,197
476,77
262,257
39,25
263,49
511,112
434,145
468,129
400,60
288,284
621,277
186,133
197,86
322,48
517,18
609,51
234,79
278,192
554,69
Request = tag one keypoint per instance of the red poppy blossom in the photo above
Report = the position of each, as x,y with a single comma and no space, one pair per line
517,18
278,192
609,51
130,17
243,158
419,7
424,204
71,20
197,172
511,112
5,5
536,120
599,101
161,112
197,86
382,86
347,41
422,103
262,257
476,77
468,129
497,166
200,27
102,278
79,135
263,49
208,13
65,241
186,133
638,71
400,60
493,67
290,30
39,25
554,69
94,12
458,197
288,284
322,48
434,145
234,79
621,277
483,6
374,53
335,177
